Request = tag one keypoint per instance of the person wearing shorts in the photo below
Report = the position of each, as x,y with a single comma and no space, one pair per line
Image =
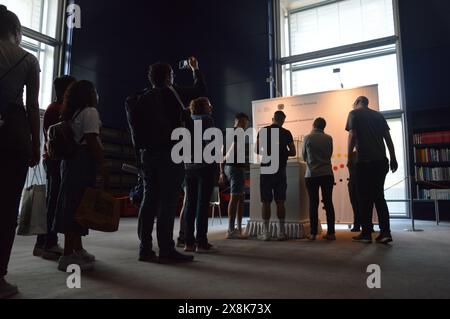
234,173
274,186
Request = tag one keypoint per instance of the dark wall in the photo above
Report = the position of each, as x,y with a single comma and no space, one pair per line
114,48
425,27
117,42
425,31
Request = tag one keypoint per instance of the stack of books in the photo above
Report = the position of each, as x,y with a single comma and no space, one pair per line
434,194
432,155
432,138
437,174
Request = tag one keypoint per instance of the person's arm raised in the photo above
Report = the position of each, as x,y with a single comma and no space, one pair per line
198,89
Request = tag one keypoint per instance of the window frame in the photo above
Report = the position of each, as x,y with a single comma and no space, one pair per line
57,43
394,40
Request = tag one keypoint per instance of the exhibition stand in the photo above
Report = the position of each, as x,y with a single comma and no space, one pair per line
297,204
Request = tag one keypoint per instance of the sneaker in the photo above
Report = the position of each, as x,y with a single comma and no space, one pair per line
83,254
148,257
190,248
312,237
265,237
208,249
175,257
330,237
282,237
236,235
384,239
66,261
53,253
363,239
38,251
7,290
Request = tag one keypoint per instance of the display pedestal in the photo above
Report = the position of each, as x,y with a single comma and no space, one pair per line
297,205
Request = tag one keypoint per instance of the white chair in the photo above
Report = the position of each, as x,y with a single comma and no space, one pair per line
215,203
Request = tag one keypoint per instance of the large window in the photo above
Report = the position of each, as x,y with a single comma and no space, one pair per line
42,22
323,26
327,45
42,36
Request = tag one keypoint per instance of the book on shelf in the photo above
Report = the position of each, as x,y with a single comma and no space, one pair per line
432,137
434,194
436,174
432,155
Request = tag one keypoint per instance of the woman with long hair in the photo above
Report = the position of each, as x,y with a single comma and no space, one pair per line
79,172
19,132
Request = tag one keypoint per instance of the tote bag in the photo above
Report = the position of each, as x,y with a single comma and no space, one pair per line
33,212
99,211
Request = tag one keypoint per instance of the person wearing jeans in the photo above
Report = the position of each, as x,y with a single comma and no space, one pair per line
368,132
162,180
317,152
200,182
153,116
372,193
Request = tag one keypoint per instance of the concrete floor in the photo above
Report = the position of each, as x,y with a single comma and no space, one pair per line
416,266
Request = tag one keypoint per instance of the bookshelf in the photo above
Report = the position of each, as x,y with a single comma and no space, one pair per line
432,165
118,151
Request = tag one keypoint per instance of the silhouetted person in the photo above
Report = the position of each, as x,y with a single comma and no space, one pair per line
368,132
234,172
153,116
274,186
19,132
47,245
79,172
317,152
201,178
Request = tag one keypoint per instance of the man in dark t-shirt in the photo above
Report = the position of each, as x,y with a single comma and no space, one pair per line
368,130
274,186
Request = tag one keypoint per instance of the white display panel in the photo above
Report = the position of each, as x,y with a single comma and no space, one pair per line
334,107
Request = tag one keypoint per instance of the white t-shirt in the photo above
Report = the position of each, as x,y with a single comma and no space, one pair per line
25,74
87,122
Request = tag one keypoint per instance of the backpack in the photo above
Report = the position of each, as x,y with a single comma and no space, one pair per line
61,144
154,135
